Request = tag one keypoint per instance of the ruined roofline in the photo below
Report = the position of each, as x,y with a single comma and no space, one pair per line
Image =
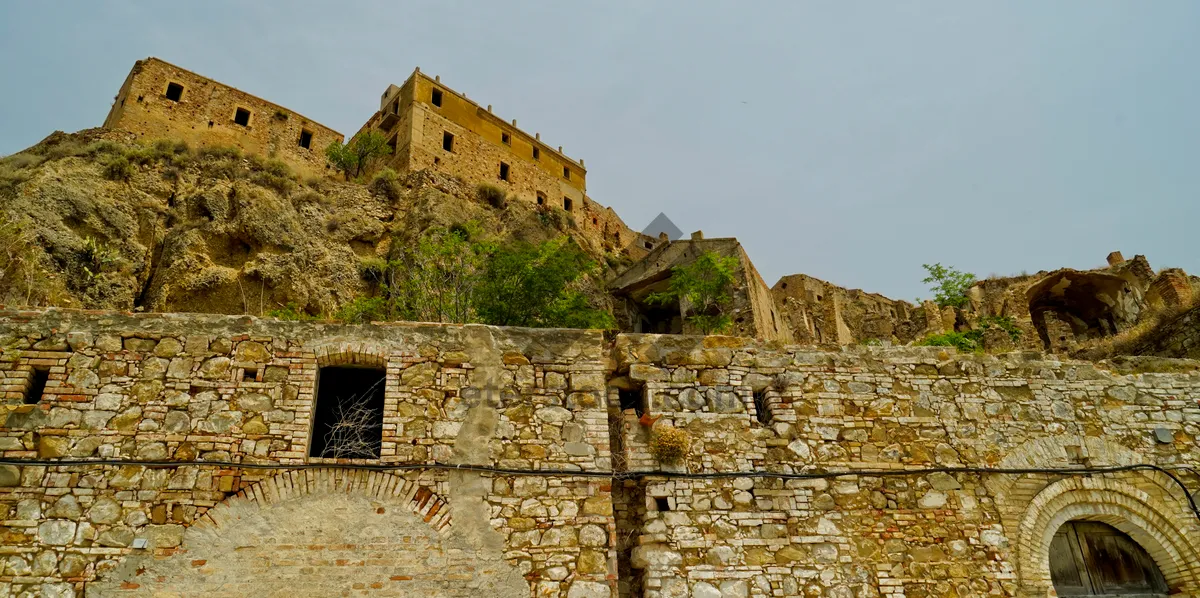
835,285
482,110
148,59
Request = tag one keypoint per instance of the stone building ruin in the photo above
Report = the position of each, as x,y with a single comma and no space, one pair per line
171,454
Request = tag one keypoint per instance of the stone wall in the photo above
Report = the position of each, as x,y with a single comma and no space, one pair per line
204,116
885,413
898,472
231,401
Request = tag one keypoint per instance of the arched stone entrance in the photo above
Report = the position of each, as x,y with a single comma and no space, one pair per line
1156,524
322,533
1089,558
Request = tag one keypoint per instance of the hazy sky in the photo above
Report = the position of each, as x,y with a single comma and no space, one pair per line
852,141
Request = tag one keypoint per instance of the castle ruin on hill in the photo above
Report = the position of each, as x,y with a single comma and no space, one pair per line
169,454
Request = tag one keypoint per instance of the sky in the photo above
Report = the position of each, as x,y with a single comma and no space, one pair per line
851,141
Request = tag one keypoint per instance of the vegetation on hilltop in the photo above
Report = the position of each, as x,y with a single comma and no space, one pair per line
95,220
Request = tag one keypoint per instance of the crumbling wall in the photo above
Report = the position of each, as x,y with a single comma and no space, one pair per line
911,522
204,115
819,312
225,406
508,465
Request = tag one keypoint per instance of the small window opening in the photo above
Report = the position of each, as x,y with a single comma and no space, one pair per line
447,141
392,143
306,139
505,138
632,399
541,198
242,117
437,161
348,419
648,244
595,221
503,171
762,410
436,97
566,173
140,98
37,385
249,374
662,503
567,204
174,92
537,153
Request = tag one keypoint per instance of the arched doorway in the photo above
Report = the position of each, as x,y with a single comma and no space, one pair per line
1090,558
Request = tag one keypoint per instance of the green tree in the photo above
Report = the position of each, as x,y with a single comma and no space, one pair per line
431,280
538,286
949,285
704,288
357,157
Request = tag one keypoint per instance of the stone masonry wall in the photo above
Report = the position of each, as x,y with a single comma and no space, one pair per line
168,455
217,394
204,116
885,532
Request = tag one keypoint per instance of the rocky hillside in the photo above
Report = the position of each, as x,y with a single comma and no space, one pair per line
94,220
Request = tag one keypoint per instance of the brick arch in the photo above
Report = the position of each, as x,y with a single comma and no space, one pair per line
351,353
1064,450
419,500
1160,523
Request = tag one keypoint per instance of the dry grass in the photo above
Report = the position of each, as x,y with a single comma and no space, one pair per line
669,444
1126,341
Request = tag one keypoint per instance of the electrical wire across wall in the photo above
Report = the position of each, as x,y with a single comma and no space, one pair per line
627,475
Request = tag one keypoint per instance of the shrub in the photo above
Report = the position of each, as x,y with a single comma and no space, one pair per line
363,310
1004,323
218,152
290,312
492,195
669,444
949,285
551,216
357,157
118,169
282,184
706,287
308,196
386,184
373,269
537,286
970,341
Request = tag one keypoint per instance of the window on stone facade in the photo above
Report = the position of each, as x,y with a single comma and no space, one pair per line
436,97
348,418
242,117
503,171
541,198
762,409
567,204
249,374
566,173
174,92
537,154
447,141
648,244
662,503
634,398
505,138
305,139
393,142
36,386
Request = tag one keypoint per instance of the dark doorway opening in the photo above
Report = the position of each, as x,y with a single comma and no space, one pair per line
1089,558
348,419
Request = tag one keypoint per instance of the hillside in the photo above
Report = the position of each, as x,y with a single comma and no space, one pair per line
97,221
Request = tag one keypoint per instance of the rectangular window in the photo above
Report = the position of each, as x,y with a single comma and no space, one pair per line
37,385
537,153
634,398
242,117
348,419
436,97
306,139
174,92
392,143
567,204
762,409
566,173
503,171
505,139
447,141
541,198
